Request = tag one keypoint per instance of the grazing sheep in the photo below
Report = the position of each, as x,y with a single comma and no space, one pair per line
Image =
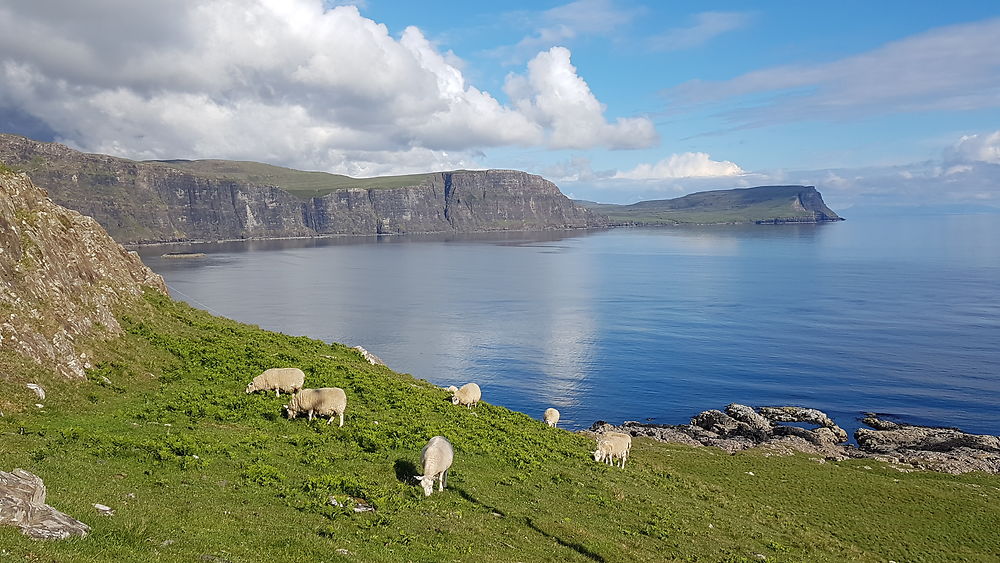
325,401
435,458
469,395
288,380
612,446
551,416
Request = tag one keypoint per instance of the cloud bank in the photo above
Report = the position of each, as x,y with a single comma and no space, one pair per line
287,82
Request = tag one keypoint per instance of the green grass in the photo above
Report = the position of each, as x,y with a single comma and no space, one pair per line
301,184
162,432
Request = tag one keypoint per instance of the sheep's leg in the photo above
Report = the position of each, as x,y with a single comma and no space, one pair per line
444,479
277,392
341,420
310,416
329,420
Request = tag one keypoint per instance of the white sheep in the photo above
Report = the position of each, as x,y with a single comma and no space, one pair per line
435,458
551,416
325,401
612,446
288,380
468,395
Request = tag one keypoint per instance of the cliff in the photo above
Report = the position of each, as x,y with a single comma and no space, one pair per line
213,200
61,277
762,204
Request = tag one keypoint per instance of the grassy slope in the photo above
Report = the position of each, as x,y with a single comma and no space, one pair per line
299,183
718,206
259,486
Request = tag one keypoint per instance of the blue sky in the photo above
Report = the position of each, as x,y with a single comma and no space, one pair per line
872,102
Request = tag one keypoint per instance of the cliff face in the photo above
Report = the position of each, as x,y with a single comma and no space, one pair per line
153,201
61,275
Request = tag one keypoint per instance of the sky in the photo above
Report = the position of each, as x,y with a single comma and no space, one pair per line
874,103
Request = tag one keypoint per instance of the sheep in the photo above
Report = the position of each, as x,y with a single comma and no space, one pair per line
288,380
551,416
469,395
325,401
435,458
612,446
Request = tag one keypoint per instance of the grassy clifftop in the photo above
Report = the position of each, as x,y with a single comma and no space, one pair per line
763,204
299,183
197,470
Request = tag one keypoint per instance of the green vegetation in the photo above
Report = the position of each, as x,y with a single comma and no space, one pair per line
747,205
197,470
301,184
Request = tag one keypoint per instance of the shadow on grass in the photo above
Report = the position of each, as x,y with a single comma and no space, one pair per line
406,470
579,548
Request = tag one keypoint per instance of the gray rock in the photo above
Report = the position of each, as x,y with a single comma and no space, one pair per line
22,504
760,427
720,423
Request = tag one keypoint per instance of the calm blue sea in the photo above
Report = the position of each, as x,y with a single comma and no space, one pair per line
898,316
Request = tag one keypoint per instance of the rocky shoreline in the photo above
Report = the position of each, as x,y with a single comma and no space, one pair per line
780,430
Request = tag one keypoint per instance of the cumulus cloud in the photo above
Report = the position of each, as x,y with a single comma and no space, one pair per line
683,165
553,95
706,26
967,176
290,82
950,68
976,148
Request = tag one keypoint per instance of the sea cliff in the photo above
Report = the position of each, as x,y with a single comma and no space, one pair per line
153,201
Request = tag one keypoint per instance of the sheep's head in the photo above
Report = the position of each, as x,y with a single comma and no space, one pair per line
251,388
453,389
454,399
427,482
289,411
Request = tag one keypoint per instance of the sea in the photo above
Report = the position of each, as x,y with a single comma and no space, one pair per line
892,315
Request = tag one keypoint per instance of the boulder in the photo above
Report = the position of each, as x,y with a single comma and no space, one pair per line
22,504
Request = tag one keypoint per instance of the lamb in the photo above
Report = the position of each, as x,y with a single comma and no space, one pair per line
469,395
325,401
551,416
612,446
288,380
435,458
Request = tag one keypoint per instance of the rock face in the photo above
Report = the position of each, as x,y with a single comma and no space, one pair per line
941,449
154,202
61,276
22,504
742,427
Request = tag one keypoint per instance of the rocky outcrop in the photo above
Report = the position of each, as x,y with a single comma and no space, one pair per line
742,427
61,277
22,504
155,202
942,449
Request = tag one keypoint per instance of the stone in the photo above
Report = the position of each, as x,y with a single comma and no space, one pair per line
369,357
760,427
61,276
22,504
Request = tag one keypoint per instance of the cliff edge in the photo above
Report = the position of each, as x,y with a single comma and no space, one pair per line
61,276
162,201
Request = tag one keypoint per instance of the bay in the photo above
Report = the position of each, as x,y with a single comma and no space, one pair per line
899,316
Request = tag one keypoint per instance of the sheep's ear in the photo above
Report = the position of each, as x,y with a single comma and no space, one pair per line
418,478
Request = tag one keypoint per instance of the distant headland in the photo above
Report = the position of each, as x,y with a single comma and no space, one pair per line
212,200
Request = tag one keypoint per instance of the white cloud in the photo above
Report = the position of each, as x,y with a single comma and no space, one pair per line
284,81
950,68
553,95
976,148
683,165
707,26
